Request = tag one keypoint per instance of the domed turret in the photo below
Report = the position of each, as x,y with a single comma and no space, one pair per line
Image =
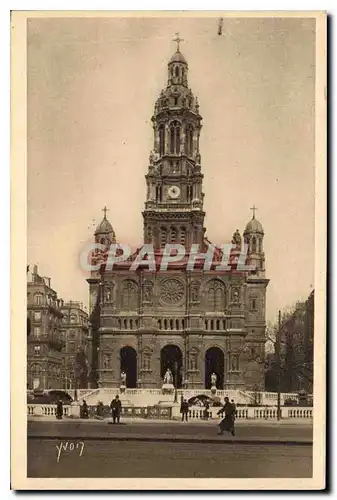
253,237
104,232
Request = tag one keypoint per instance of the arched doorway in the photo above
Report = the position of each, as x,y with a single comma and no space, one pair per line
171,357
128,357
214,363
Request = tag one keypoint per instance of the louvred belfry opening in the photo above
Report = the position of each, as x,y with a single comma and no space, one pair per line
174,204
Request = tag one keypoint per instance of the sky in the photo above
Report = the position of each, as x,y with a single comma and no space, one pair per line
92,86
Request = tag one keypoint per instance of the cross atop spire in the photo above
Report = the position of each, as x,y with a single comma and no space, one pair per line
178,40
254,208
105,210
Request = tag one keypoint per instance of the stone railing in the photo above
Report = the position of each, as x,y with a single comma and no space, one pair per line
46,410
195,412
251,413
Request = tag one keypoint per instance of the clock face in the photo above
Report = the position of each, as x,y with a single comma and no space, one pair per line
173,192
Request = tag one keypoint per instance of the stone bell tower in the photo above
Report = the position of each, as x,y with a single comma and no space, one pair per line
174,205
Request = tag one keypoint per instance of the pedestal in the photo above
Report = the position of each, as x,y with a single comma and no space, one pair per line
122,389
75,409
213,390
167,388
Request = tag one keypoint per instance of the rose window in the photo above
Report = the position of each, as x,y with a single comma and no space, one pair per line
172,291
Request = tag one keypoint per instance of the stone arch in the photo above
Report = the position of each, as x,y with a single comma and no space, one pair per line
214,363
128,364
171,357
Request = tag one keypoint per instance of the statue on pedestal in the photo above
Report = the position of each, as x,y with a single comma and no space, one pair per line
213,379
123,379
168,377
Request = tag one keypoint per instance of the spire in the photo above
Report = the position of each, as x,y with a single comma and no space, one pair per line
178,40
254,208
105,210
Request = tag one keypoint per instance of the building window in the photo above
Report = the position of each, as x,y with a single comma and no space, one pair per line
163,236
161,140
175,137
253,244
38,299
73,318
253,304
37,350
37,316
37,331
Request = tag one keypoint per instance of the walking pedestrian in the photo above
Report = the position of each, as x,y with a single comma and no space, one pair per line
59,410
116,407
227,423
184,409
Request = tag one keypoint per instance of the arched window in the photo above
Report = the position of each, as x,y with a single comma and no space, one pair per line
189,140
159,324
173,235
125,324
254,244
215,296
175,137
218,324
129,295
161,140
177,324
38,299
171,324
177,71
183,236
260,245
163,236
212,324
165,324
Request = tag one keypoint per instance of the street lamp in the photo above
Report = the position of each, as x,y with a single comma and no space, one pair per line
175,368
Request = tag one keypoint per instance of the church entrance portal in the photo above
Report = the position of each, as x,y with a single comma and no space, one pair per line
214,363
171,358
128,357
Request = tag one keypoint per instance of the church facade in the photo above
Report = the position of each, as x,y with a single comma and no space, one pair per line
194,322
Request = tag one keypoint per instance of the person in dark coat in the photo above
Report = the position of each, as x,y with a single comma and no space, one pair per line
184,409
84,410
59,410
227,423
206,406
234,405
100,410
116,407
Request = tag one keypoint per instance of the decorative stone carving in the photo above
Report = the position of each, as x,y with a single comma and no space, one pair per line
171,291
148,291
235,295
195,288
237,238
193,360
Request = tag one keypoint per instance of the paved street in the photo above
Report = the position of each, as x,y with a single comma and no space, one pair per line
167,449
247,431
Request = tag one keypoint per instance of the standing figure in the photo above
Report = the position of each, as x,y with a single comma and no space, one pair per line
84,410
227,423
206,406
116,407
168,378
213,379
184,409
123,378
59,410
